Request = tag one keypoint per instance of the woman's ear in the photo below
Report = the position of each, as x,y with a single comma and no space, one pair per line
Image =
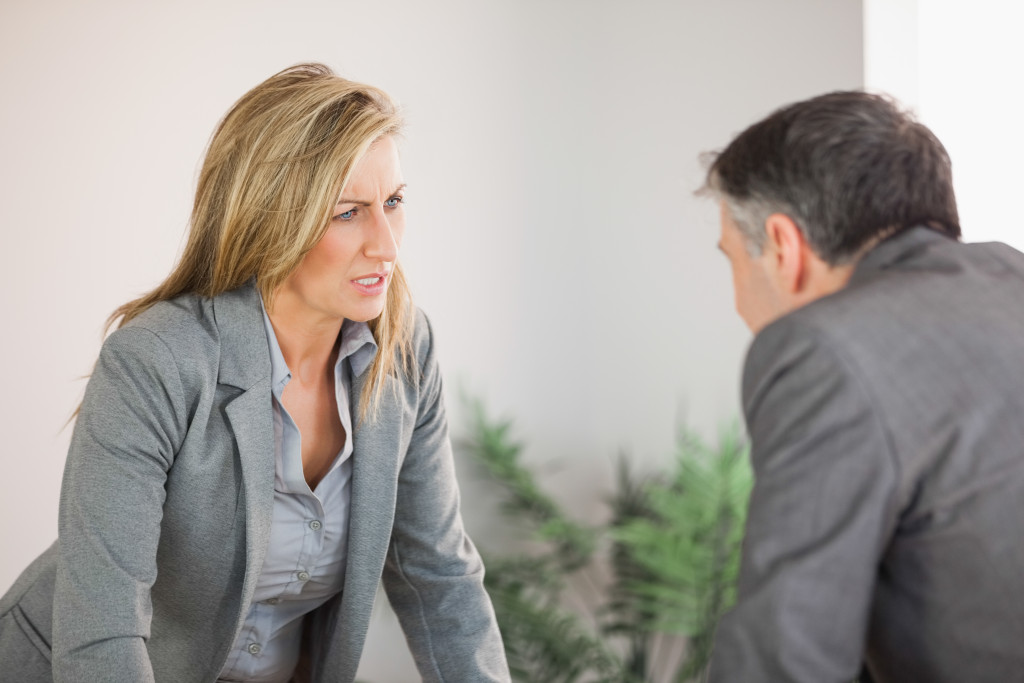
787,252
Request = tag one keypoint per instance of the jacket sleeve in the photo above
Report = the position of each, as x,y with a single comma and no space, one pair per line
433,575
820,515
131,423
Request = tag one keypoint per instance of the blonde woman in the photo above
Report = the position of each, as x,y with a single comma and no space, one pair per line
263,437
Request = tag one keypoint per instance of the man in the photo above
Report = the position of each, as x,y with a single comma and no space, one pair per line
884,398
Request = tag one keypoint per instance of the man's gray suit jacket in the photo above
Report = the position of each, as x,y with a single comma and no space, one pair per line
166,509
886,525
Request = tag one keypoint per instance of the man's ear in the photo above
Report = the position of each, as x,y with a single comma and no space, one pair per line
788,251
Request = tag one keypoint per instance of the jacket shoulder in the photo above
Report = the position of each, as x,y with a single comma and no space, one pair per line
185,320
422,334
184,328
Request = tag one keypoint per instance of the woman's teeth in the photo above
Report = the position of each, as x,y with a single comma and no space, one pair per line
369,281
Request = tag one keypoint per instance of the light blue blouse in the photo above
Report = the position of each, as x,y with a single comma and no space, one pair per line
305,562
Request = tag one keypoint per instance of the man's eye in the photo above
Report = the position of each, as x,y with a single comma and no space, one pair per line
394,201
346,216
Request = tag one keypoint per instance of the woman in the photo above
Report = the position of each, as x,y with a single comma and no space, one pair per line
263,437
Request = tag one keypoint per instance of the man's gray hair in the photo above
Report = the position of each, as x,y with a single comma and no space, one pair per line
847,167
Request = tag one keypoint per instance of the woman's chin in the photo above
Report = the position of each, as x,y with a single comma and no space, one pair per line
362,314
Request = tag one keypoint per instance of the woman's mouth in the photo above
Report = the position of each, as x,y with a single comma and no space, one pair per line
371,285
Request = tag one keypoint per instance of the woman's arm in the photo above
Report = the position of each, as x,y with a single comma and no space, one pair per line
131,423
433,575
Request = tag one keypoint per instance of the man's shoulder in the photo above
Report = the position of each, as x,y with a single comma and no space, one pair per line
944,282
918,315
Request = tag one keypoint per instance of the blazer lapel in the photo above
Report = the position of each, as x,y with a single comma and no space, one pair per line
245,364
251,418
375,467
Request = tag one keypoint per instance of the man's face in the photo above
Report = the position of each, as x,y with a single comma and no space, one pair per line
757,300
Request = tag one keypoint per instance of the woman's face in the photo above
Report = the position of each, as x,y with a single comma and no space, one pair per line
347,273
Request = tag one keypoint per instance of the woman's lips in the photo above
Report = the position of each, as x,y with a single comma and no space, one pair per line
372,284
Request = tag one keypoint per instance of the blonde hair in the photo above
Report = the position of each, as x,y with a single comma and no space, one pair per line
273,171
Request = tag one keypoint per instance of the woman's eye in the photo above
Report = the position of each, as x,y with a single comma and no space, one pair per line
393,202
346,216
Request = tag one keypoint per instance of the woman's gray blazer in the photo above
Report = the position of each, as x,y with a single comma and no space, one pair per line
166,507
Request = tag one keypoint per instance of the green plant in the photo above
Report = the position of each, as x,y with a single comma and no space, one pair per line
671,546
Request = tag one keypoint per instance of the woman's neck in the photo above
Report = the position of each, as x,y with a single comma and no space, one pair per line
308,339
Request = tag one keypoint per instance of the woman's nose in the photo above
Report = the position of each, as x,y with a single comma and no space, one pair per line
380,243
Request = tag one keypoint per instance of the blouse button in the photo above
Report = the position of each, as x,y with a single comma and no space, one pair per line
255,649
315,525
303,576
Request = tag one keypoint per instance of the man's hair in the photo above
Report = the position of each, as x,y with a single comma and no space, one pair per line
847,167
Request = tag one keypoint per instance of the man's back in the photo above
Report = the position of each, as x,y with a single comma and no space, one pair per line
887,423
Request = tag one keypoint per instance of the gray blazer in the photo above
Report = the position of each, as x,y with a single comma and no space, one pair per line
166,509
886,525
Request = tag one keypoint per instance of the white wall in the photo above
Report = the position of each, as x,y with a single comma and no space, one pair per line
971,61
958,65
550,155
892,53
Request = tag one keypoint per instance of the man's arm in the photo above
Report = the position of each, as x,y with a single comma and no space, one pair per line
820,515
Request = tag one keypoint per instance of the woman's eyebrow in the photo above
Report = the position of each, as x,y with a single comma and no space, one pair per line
363,202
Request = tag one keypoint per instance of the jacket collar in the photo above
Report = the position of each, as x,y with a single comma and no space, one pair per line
239,320
895,250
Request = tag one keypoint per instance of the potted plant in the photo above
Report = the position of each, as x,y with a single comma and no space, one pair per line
633,600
